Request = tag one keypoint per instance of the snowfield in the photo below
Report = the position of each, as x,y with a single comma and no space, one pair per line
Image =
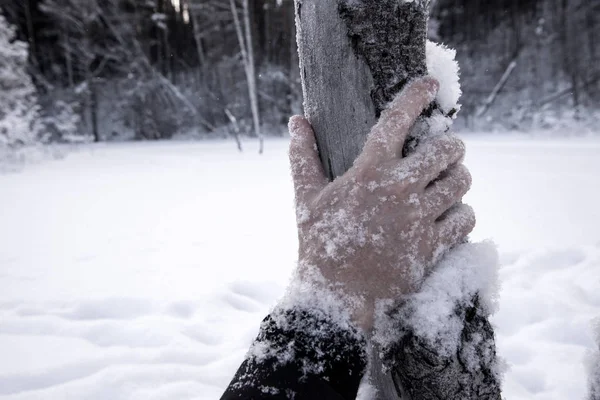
142,271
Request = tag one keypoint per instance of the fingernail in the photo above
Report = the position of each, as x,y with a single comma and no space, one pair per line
433,86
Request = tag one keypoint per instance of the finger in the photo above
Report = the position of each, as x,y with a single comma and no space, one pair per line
444,193
455,225
389,134
432,157
307,170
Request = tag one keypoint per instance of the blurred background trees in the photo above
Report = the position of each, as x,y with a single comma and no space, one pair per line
151,69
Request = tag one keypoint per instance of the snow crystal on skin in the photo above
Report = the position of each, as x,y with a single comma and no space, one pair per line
340,232
467,270
441,64
430,153
302,213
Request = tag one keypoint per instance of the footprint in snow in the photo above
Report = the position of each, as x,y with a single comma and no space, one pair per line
240,302
202,334
181,309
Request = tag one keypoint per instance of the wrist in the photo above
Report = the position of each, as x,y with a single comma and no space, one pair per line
334,296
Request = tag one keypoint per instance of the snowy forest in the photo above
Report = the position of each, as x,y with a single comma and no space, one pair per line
101,70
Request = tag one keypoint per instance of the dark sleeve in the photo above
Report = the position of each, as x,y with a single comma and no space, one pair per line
301,355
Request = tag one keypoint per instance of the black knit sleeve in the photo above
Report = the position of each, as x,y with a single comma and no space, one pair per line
298,355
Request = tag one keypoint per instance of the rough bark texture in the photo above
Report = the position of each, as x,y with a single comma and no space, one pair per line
471,373
367,50
355,55
327,60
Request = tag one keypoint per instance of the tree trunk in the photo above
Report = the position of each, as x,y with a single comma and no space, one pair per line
251,73
31,33
360,51
93,100
355,57
244,36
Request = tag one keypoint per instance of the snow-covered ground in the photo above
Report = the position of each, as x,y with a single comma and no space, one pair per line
142,271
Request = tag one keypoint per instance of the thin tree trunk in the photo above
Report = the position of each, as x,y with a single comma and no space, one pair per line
252,77
354,58
198,36
93,104
31,33
248,61
492,97
569,61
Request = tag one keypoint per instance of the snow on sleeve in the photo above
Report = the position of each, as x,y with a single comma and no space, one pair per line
309,290
593,362
316,313
442,65
307,333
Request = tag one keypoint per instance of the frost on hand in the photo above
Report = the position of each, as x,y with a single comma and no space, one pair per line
593,364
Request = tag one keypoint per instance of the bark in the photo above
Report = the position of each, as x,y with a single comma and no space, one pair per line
471,373
251,73
348,46
355,56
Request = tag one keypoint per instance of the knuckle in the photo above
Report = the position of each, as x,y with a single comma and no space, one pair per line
464,176
469,216
366,174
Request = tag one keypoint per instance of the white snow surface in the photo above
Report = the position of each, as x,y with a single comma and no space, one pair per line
143,271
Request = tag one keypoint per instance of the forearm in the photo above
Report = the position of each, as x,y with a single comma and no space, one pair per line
302,354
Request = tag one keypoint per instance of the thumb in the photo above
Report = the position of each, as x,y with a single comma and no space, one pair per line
307,170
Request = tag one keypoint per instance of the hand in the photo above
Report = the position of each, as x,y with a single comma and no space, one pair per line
374,233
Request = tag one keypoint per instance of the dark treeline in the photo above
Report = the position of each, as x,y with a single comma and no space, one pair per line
154,68
526,64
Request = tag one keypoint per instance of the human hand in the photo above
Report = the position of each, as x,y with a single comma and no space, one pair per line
374,233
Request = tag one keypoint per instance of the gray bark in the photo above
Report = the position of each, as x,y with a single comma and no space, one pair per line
423,373
355,56
364,51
